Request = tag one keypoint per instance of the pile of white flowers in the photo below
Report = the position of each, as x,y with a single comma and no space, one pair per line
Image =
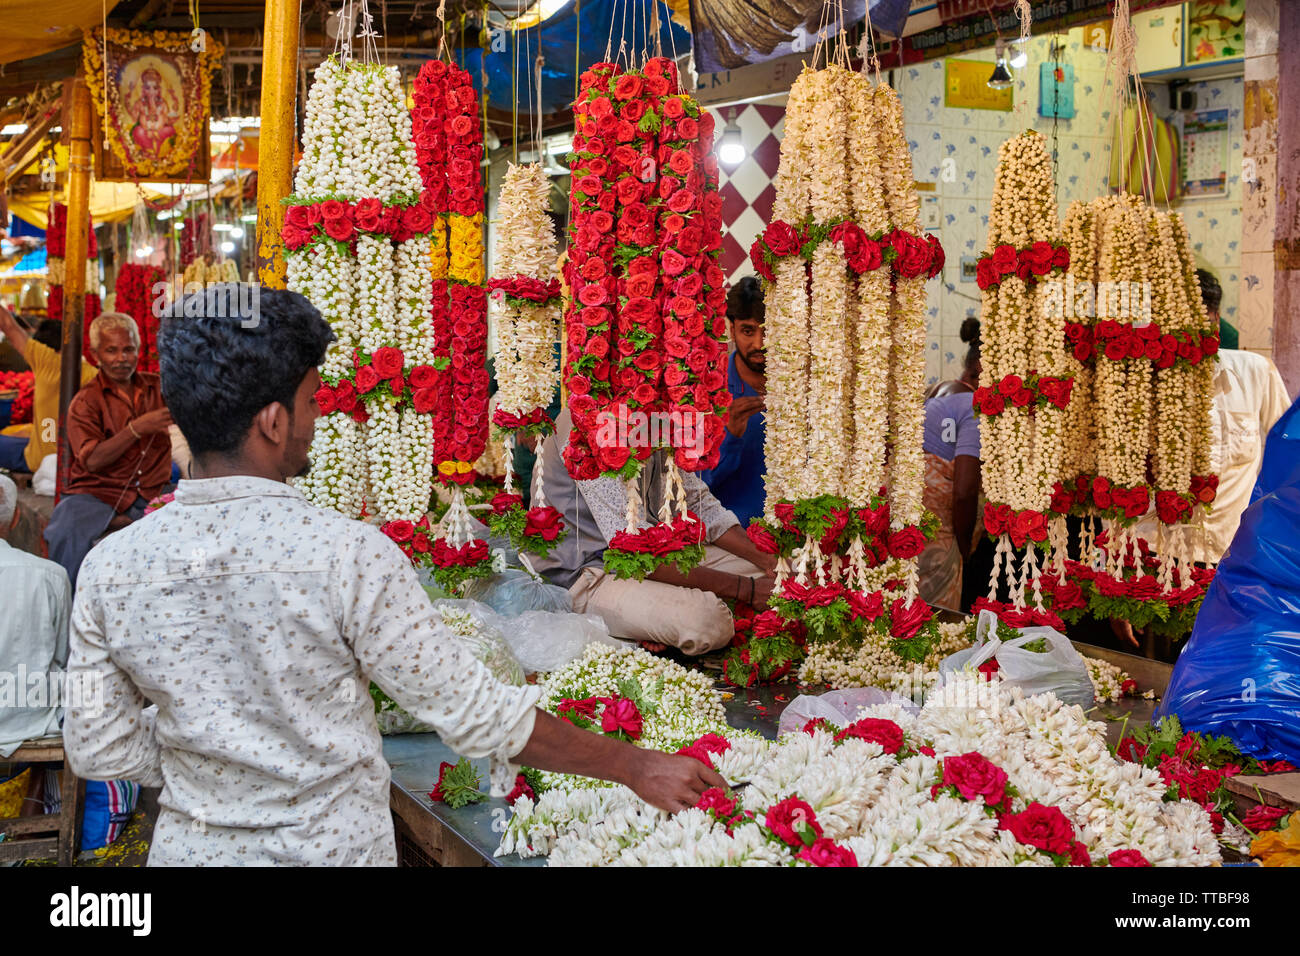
872,663
880,806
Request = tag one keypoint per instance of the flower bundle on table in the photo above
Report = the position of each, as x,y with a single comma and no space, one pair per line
135,296
765,648
645,329
24,383
1012,781
1196,767
537,529
1026,384
846,265
357,238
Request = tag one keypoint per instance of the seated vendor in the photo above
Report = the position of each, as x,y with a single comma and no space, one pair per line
684,610
26,451
117,436
737,482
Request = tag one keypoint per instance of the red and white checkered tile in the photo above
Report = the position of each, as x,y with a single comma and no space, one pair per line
746,188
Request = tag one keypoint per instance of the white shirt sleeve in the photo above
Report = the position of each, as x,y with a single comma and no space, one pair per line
700,499
410,653
108,733
1273,398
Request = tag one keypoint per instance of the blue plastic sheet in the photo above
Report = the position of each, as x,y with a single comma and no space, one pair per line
570,40
1240,672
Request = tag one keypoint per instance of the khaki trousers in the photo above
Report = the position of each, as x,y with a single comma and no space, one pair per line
695,621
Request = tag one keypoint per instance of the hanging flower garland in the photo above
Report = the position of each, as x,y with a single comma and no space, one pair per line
135,296
1025,387
448,139
645,329
527,294
845,333
56,234
356,235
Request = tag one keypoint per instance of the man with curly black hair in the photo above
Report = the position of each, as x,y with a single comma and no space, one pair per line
256,621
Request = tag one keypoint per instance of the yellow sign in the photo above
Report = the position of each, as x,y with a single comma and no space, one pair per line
966,86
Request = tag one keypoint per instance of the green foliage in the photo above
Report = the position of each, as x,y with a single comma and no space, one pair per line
454,579
647,701
635,565
460,785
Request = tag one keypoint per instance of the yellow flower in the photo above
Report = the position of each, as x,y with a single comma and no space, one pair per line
1279,847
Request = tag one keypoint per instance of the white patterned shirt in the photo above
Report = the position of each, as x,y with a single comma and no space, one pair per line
255,621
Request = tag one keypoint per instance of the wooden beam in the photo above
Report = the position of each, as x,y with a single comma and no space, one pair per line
77,94
275,147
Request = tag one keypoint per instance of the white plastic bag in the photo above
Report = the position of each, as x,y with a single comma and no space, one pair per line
547,640
839,707
1059,670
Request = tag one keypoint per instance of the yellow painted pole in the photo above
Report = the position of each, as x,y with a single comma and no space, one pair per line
74,261
275,147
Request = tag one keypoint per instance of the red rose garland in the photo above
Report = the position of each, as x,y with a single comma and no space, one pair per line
1030,264
908,256
135,296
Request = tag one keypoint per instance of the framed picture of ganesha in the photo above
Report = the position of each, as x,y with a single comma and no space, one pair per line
151,93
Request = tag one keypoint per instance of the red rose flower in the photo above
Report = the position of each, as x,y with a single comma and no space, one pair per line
825,852
387,361
1005,260
975,776
782,238
793,821
1046,828
875,730
325,399
1127,858
906,619
400,530
715,800
907,542
367,378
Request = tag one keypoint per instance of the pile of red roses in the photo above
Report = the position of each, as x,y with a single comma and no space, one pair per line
135,296
1034,390
645,328
1022,526
1029,264
25,384
835,525
908,255
340,221
685,531
1118,341
1018,617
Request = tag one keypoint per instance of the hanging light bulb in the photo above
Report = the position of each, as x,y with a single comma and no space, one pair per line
731,147
237,233
1019,55
144,252
227,246
1001,78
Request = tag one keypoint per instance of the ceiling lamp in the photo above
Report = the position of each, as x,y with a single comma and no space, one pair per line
1001,78
1019,55
731,147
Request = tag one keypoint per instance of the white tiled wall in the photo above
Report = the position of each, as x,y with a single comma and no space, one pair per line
970,139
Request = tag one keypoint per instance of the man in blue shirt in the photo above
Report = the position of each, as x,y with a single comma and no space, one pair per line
737,482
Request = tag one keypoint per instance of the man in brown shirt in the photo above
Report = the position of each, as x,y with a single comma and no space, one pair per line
117,434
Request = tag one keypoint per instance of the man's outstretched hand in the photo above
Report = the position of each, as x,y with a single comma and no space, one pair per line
671,782
666,781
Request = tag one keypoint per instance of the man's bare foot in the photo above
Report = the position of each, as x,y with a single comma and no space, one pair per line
653,646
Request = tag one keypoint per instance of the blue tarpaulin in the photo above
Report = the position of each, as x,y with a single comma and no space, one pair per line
1240,672
571,40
